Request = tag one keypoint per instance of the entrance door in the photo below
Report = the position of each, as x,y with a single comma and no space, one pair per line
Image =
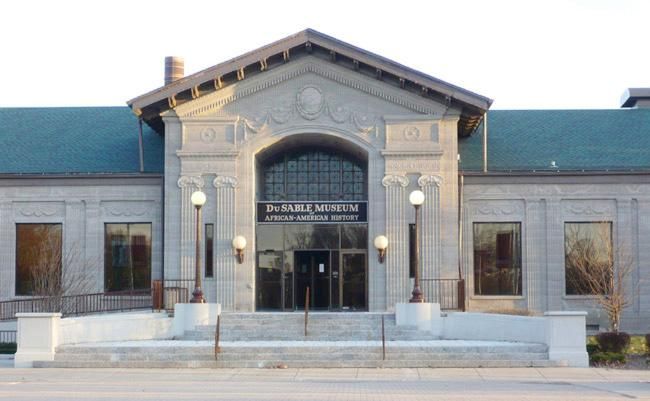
353,282
312,269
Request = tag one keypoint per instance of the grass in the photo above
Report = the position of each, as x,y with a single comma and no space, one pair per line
637,345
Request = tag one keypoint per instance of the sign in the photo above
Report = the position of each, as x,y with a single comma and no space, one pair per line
312,212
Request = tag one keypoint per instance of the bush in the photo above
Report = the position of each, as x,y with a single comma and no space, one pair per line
8,348
615,342
592,349
608,358
647,344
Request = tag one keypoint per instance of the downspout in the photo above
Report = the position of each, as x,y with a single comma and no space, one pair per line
485,133
140,146
461,281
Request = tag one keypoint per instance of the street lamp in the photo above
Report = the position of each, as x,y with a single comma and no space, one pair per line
381,243
417,199
198,199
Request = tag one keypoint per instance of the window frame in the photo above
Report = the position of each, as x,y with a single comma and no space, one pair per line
522,294
33,223
151,253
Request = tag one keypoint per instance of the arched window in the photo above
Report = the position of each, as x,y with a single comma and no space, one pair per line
314,174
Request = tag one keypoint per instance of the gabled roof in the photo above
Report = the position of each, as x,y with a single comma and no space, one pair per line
309,42
576,140
75,140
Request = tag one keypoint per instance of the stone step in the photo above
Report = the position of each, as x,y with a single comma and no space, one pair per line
447,363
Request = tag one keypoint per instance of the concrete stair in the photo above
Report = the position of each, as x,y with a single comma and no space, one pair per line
334,340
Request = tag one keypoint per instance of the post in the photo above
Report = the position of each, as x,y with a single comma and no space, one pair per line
197,294
306,309
217,334
383,340
417,296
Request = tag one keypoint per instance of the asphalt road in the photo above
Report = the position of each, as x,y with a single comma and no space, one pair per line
324,384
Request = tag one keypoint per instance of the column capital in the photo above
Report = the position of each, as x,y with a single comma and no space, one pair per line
190,181
428,180
224,181
395,180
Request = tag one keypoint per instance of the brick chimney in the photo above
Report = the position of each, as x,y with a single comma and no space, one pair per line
174,69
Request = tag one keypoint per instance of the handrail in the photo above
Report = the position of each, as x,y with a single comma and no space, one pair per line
383,340
448,292
306,309
217,334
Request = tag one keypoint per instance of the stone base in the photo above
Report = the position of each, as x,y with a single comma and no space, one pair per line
424,316
188,316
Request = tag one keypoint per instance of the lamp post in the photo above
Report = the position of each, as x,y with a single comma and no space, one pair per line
417,198
198,199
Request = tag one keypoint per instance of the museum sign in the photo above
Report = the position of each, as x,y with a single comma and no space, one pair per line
312,212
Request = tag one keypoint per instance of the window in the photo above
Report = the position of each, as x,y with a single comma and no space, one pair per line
587,251
209,250
127,256
313,175
38,259
497,258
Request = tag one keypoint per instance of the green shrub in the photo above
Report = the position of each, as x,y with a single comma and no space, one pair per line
647,344
608,358
615,342
592,349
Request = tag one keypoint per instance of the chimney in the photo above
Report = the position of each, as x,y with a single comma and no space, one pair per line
636,98
174,69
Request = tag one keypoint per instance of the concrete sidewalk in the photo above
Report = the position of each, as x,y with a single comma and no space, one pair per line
324,384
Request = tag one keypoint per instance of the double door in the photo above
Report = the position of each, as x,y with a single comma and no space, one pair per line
337,280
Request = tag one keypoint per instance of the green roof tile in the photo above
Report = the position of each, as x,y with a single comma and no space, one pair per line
75,140
575,139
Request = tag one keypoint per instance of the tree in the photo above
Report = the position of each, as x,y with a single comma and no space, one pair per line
598,268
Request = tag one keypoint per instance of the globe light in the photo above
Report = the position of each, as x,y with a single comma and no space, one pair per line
198,198
416,198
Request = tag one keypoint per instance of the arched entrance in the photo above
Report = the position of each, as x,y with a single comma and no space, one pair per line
312,225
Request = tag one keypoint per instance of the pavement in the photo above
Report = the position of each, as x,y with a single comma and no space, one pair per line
325,384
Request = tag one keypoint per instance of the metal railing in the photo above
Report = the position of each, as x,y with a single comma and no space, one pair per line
449,293
7,336
83,304
175,292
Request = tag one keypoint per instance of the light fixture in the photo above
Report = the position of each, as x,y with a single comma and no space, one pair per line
239,243
381,243
198,199
417,199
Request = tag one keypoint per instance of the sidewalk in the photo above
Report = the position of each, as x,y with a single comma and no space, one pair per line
325,384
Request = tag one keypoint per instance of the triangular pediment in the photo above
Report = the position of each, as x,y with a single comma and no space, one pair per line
309,43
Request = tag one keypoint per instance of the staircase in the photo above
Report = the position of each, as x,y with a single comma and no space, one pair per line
334,340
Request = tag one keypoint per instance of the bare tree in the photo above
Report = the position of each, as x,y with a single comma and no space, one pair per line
56,272
596,267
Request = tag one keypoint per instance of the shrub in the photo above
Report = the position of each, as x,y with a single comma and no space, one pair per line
592,349
8,348
647,344
615,342
608,358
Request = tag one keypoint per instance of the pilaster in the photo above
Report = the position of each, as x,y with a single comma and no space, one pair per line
430,246
188,184
397,257
555,255
225,268
7,268
535,241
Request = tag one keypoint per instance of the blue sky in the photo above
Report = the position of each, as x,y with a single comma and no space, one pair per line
524,54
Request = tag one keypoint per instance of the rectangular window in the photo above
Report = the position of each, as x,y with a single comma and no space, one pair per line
127,256
209,250
38,259
588,258
497,258
411,250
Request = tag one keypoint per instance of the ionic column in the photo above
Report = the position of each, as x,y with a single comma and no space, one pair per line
188,184
225,267
430,246
397,255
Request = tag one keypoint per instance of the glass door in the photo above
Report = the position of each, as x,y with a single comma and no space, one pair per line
269,280
354,295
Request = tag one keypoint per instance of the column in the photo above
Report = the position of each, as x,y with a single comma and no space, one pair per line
76,278
94,233
397,255
430,246
555,255
7,266
187,184
533,268
225,261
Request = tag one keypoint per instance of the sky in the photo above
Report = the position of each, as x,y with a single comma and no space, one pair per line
523,54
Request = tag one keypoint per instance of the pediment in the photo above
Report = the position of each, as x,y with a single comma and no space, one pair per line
305,44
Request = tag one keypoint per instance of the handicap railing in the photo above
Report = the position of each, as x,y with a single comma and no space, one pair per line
448,292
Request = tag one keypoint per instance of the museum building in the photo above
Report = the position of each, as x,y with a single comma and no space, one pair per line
307,150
